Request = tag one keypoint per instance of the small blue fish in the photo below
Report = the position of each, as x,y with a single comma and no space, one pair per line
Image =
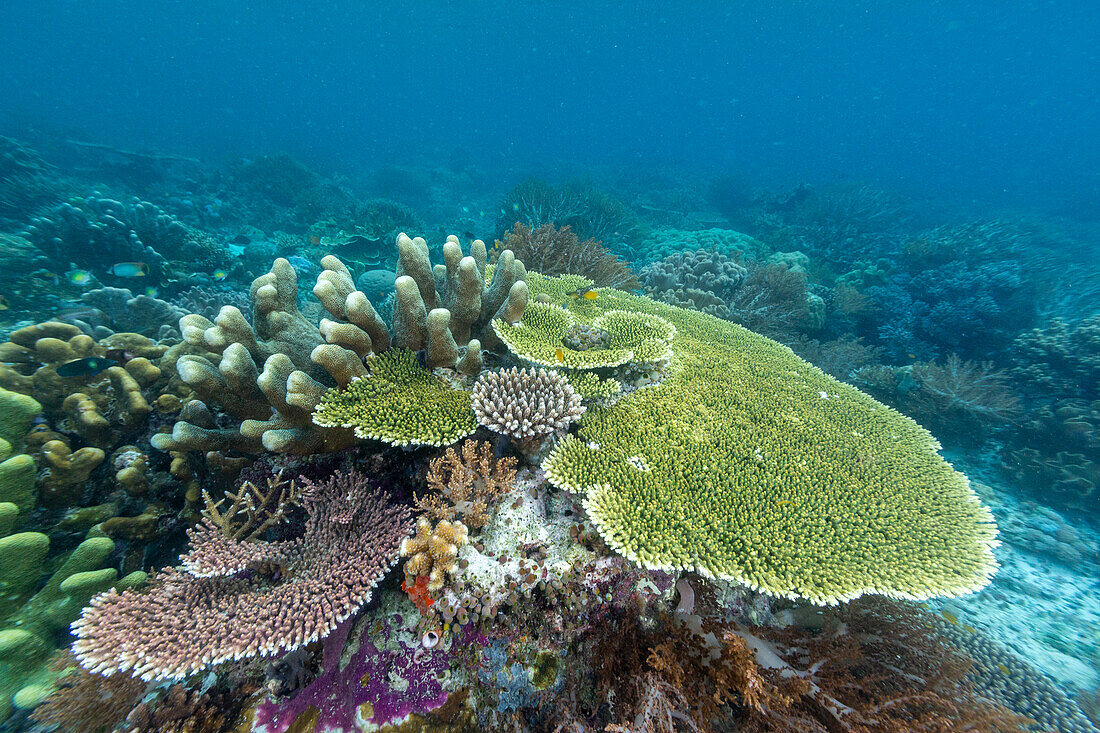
89,366
129,269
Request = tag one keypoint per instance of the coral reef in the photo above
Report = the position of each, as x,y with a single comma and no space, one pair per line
1003,677
143,314
235,599
589,212
703,280
97,233
1061,358
745,452
957,398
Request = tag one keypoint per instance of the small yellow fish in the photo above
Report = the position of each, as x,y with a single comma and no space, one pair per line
79,277
560,356
969,628
586,293
4,304
129,269
152,292
784,501
951,618
1001,666
923,605
220,275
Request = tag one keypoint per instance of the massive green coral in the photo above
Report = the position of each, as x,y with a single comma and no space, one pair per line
749,464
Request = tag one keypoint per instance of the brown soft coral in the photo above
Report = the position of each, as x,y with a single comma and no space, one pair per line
551,251
466,483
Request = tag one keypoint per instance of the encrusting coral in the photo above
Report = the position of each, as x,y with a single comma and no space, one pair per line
747,463
235,599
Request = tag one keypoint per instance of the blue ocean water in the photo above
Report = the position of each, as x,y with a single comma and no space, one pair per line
907,195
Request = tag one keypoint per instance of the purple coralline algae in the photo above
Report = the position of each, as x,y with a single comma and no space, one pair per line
374,685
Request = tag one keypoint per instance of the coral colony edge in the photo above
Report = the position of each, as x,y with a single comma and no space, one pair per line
510,487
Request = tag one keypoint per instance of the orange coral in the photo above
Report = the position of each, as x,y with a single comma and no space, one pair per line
552,251
466,483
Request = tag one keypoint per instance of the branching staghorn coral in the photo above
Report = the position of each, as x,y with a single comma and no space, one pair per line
526,404
465,483
235,599
253,510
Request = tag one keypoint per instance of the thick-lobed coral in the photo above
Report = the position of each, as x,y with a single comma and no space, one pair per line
236,599
749,464
33,614
17,469
551,251
303,363
525,404
100,406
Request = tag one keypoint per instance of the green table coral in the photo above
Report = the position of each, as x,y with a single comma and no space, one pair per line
749,464
400,403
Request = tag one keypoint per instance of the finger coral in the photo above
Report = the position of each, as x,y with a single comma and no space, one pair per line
749,464
235,599
524,403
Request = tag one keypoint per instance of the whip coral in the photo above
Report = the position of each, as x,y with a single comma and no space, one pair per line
234,599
